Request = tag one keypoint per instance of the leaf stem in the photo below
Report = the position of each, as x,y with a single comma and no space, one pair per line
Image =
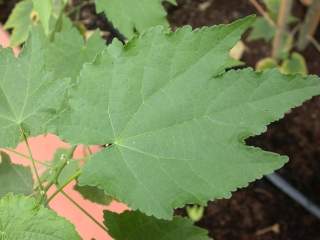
25,156
32,160
56,177
84,211
60,188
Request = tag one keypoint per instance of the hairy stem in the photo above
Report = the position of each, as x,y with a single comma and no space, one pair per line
60,188
309,25
283,18
32,161
84,211
58,173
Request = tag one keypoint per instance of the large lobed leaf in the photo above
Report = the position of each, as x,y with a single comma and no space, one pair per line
175,122
14,178
134,225
21,219
131,16
29,94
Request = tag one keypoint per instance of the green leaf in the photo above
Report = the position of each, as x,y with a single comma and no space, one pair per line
68,52
20,218
175,122
266,63
261,29
29,94
294,64
14,178
134,16
44,9
20,21
93,194
136,226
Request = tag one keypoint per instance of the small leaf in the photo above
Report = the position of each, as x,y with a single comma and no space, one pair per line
266,63
131,16
20,218
14,178
133,225
261,29
294,64
29,95
93,194
20,21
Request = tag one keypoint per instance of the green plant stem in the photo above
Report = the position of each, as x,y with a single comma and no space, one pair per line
32,161
60,188
84,211
283,19
264,13
25,156
56,177
309,25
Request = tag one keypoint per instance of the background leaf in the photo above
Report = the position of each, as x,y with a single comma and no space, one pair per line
14,178
133,16
21,219
20,21
139,226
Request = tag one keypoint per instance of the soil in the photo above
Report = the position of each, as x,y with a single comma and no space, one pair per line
261,211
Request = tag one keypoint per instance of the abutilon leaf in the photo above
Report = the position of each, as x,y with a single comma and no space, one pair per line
21,218
14,178
174,121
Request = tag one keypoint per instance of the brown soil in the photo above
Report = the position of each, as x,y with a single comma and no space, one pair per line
261,211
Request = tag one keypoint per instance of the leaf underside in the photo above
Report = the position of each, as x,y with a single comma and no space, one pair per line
14,178
138,226
176,123
20,219
134,16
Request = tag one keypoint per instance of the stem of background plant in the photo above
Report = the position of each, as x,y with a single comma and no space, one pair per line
75,176
84,211
264,13
309,25
32,161
283,18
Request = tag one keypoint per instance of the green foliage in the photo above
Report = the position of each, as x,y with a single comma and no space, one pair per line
139,226
28,13
294,64
172,120
177,147
61,168
266,63
195,212
29,94
21,218
20,21
134,16
93,194
70,48
14,178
